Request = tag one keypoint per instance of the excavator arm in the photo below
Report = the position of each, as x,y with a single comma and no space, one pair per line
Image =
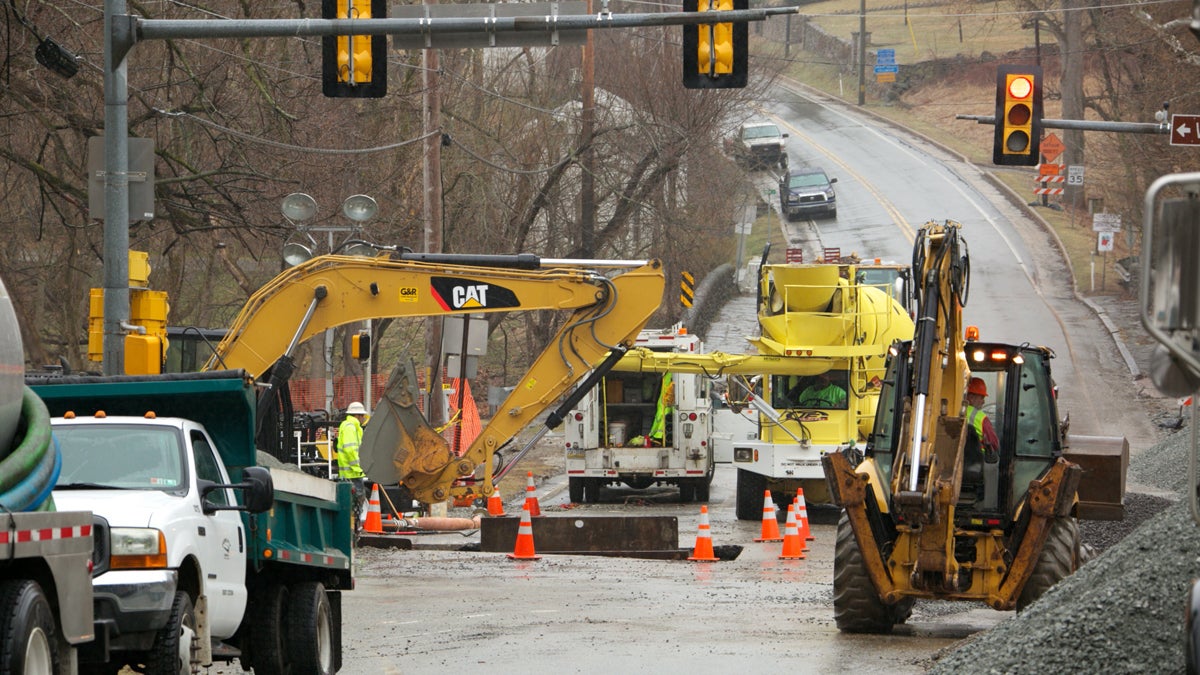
328,291
939,374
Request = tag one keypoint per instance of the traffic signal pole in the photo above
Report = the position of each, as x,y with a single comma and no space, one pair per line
122,31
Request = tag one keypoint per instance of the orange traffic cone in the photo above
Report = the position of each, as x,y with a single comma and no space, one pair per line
793,543
802,516
703,550
495,505
531,500
524,548
374,523
770,525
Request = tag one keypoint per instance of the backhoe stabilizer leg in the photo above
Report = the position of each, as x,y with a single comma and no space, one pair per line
1051,497
849,489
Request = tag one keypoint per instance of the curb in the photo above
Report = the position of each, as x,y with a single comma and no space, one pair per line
1013,198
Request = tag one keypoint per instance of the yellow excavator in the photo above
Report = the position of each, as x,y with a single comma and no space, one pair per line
929,510
609,303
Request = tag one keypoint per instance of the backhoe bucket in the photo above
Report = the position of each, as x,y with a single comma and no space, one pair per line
398,444
1104,460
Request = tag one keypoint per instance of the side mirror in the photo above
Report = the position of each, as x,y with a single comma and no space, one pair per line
832,181
258,492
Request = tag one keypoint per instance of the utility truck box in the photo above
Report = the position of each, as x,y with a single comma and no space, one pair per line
612,435
213,556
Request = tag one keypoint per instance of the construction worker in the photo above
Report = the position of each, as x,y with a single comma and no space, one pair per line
666,403
978,420
823,393
350,434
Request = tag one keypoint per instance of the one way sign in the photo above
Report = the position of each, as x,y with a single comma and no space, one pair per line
1185,129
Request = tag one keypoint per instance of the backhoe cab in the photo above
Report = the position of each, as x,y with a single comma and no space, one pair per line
929,513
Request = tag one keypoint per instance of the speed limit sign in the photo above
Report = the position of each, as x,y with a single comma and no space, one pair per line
1075,175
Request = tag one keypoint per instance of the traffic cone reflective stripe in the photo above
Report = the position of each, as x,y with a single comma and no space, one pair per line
802,516
770,525
531,500
495,505
703,550
524,547
374,521
793,543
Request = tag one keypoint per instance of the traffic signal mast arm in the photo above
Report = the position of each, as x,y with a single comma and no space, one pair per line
129,29
1084,125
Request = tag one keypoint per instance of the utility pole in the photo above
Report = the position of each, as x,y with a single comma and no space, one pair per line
587,159
862,52
432,114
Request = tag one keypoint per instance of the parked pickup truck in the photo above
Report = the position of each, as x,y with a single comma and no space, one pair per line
212,556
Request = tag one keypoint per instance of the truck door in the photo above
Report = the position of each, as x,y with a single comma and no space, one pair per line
224,556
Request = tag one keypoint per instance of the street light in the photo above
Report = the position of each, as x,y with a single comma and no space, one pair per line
299,208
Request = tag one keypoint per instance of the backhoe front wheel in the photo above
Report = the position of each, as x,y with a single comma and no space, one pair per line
1058,559
857,607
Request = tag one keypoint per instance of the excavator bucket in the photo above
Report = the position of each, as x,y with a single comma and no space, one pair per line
398,444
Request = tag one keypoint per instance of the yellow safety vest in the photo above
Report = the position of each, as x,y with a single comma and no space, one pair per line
349,438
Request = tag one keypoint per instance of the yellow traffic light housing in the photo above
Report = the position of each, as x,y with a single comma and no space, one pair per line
354,66
715,55
1018,135
360,345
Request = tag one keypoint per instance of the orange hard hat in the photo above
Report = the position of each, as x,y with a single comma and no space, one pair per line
977,386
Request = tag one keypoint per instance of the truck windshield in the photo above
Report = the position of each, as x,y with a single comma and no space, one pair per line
118,456
765,131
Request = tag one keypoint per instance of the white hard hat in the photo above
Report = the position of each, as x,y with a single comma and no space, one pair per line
356,408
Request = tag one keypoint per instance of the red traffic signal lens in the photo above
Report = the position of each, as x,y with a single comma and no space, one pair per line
1020,87
1017,141
1019,115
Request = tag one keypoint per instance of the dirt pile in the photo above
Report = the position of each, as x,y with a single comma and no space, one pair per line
1122,612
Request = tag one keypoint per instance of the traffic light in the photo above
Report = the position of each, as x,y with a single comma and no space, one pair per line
360,345
715,55
1018,116
354,66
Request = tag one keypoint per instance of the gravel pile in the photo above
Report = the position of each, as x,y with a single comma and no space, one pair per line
1122,612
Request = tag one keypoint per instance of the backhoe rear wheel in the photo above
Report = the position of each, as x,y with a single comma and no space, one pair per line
857,607
1056,562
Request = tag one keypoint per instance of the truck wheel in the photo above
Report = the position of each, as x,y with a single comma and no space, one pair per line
28,628
702,490
310,630
268,653
175,649
575,489
591,490
1055,563
750,488
687,491
857,607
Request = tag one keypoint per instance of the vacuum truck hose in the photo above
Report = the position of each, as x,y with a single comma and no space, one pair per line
29,470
